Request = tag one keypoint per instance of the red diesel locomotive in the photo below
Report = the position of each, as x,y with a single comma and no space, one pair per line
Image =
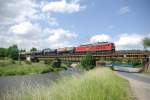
97,48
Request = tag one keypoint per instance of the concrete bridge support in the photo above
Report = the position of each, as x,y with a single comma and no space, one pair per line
28,58
147,64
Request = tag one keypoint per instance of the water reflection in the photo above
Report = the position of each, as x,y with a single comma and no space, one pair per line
15,82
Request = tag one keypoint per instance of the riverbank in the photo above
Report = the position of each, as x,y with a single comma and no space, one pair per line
97,84
10,67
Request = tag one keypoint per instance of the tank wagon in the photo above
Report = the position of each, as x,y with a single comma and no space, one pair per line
36,53
66,50
49,52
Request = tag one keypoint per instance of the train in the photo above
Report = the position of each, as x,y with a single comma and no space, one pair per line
96,48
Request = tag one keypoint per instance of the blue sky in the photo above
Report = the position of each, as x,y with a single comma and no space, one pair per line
61,23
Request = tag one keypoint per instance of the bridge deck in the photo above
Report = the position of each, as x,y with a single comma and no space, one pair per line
117,54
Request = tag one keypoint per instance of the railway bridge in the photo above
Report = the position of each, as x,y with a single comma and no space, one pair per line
143,56
116,55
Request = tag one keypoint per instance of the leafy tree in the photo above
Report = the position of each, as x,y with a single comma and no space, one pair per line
88,62
146,42
13,52
135,62
3,52
33,49
22,50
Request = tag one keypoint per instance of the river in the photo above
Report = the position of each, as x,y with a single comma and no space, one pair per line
15,82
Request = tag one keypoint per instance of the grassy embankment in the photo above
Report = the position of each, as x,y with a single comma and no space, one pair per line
10,67
97,84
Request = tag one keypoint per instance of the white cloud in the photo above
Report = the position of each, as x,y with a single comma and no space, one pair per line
100,38
24,34
12,11
22,22
124,10
62,6
24,28
60,37
129,41
124,41
50,38
53,21
18,11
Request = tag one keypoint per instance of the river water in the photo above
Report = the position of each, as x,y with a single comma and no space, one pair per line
10,82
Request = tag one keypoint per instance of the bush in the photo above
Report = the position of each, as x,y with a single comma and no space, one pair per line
4,63
67,63
13,62
47,61
13,52
34,59
49,70
3,52
88,62
56,63
28,62
108,59
135,62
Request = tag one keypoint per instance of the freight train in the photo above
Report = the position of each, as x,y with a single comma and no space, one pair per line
97,48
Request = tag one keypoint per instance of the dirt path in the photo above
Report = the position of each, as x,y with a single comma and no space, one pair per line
140,85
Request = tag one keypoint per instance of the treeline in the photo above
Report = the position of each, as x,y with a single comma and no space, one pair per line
11,52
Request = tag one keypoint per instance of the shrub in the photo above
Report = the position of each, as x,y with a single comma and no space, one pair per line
13,52
136,63
88,62
67,63
13,62
49,70
19,62
34,59
108,59
56,63
47,61
3,52
28,62
4,63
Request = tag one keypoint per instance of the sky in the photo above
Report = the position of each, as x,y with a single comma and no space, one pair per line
62,23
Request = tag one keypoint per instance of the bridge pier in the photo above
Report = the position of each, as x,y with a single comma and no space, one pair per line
147,64
28,58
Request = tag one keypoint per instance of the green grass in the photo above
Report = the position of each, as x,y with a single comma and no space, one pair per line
24,68
97,84
10,67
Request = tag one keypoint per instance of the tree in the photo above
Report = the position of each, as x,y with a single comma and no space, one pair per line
146,42
3,52
22,50
88,62
33,49
13,52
